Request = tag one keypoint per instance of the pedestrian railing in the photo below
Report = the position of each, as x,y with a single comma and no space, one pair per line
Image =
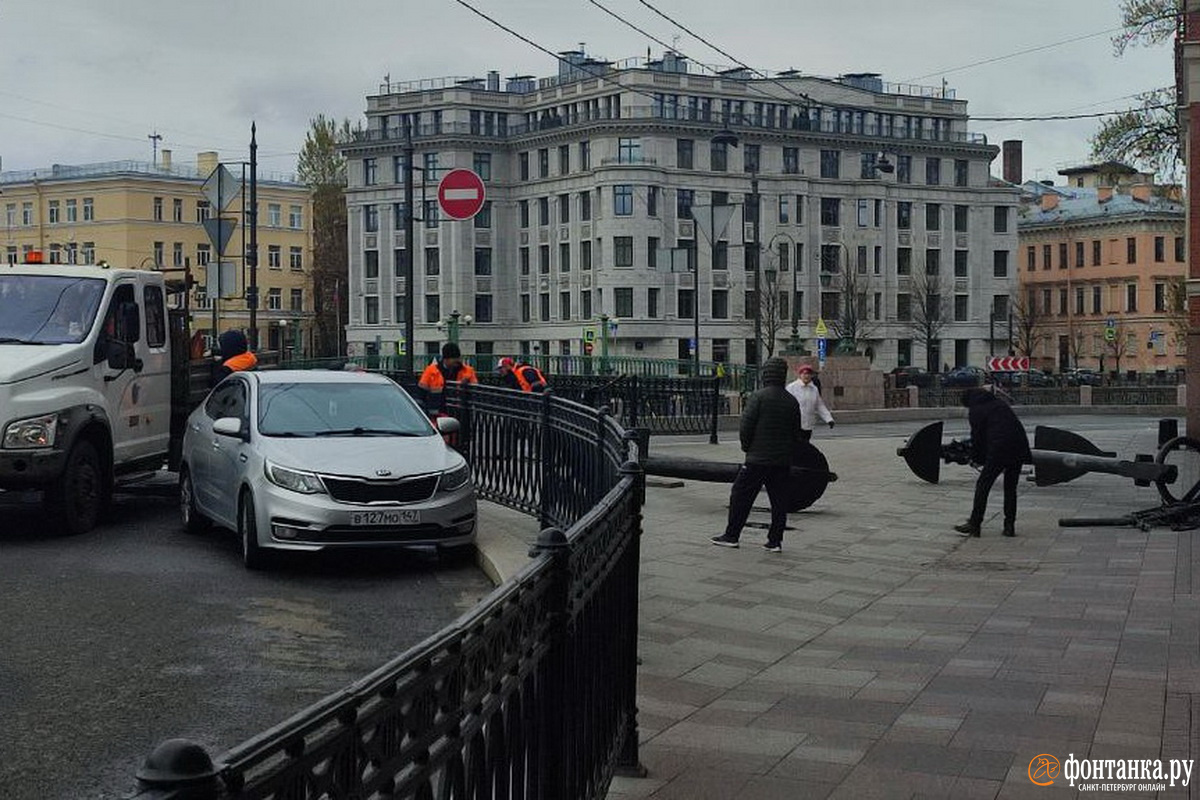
529,695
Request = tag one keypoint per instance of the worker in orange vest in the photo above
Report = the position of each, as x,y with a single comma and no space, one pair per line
448,368
235,355
517,375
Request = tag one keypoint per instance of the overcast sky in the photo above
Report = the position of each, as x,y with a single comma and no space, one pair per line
83,81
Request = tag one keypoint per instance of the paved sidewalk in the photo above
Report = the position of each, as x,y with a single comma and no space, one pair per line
881,655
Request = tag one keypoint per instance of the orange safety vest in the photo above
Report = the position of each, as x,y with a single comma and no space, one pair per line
434,380
526,384
240,362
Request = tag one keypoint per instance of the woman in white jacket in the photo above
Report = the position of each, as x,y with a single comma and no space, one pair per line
811,404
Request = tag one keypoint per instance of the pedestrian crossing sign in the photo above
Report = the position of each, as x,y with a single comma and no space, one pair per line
822,330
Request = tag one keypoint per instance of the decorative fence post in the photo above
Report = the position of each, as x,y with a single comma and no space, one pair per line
716,409
634,400
546,471
628,763
554,755
178,769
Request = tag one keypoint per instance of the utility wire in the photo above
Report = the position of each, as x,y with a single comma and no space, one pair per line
1068,116
741,64
1024,52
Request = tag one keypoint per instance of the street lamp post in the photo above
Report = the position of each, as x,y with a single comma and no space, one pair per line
793,347
728,137
452,325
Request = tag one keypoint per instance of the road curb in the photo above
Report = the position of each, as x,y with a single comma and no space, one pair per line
503,540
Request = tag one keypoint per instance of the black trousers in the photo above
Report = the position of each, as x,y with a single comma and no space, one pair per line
987,476
805,436
750,479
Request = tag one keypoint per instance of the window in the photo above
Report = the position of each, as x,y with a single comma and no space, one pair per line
203,255
652,302
1131,250
831,163
999,263
1160,249
1062,255
543,211
791,161
960,263
297,300
868,167
564,305
544,162
999,306
433,309
585,305
652,201
960,307
295,258
482,164
1097,300
960,219
275,303
370,263
720,304
544,306
53,215
904,215
685,303
1160,297
398,308
831,304
430,214
933,216
1000,219
623,302
483,219
433,260
564,159
483,261
156,316
525,308
751,158
623,251
158,253
158,210
1046,308
783,255
523,212
1062,302
177,254
629,150
652,246
933,262
1178,248
89,212
1030,258
903,260
864,213
623,200
719,156
903,169
1096,253
904,307
1079,300
960,173
720,256
523,161
370,171
397,169
585,255
10,216
431,166
862,260
585,155
684,198
564,257
683,153
370,218
177,209
1131,297
1046,251
72,211
544,259
933,172
831,258
483,308
1079,254
585,206
831,211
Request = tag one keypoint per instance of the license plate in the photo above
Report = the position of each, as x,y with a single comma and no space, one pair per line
403,517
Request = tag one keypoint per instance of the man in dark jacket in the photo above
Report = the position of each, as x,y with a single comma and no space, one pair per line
1000,444
770,429
235,356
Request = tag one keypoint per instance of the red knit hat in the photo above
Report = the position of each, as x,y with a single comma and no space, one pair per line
805,368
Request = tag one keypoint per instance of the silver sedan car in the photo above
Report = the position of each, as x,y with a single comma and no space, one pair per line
308,460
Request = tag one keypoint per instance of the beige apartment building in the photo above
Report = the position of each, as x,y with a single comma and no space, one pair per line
151,216
1101,262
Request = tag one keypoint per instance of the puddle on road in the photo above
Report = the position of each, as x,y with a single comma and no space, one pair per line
296,633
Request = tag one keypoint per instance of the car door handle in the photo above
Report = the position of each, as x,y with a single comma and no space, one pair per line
216,444
242,458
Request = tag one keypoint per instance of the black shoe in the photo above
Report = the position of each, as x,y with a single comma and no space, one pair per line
1009,530
967,529
724,541
773,547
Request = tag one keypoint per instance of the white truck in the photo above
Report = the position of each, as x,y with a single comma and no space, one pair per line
89,392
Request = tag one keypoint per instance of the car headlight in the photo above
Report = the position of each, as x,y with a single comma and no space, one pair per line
293,480
455,478
32,432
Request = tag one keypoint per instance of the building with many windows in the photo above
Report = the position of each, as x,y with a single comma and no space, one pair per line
1102,269
875,212
140,215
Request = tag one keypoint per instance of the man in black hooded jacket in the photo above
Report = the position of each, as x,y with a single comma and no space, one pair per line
1000,444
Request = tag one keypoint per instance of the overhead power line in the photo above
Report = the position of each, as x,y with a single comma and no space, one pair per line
1052,117
1007,56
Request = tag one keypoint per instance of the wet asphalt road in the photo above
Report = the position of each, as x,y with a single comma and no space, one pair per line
112,641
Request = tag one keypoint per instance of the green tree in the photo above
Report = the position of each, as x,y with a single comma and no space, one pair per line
323,169
1146,135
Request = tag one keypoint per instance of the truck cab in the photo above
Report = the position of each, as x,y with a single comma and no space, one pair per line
85,382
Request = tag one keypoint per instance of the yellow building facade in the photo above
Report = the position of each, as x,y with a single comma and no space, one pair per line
1100,264
151,216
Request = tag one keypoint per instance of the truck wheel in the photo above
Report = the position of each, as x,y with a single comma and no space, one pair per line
193,521
253,556
78,497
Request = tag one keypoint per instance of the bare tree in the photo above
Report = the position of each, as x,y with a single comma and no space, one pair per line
773,306
1116,347
1028,324
929,311
1177,312
855,321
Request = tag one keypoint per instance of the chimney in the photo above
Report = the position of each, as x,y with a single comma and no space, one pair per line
1011,150
206,162
1104,193
1140,192
1049,201
493,81
166,160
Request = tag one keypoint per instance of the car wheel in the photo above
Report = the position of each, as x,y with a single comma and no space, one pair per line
253,556
193,520
79,496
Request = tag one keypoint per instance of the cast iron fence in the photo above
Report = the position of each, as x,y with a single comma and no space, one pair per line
532,694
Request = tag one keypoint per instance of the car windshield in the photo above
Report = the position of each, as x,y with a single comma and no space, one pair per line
47,309
339,409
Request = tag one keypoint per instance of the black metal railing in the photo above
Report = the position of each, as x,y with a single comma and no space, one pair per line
532,694
664,405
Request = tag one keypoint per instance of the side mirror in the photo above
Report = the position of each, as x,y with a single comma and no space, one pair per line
230,426
119,355
447,425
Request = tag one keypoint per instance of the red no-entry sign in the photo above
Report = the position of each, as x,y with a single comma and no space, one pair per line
460,194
